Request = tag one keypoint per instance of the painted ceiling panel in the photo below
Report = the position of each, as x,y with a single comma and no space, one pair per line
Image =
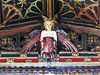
14,10
86,10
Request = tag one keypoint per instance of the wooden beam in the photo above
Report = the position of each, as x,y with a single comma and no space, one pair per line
44,7
51,7
0,13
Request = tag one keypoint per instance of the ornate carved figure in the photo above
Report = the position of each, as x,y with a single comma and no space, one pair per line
48,39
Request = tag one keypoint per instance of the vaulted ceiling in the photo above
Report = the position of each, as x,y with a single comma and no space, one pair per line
73,14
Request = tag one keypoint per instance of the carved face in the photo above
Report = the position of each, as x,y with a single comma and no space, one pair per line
49,25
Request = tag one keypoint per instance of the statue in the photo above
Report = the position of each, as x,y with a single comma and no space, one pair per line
48,39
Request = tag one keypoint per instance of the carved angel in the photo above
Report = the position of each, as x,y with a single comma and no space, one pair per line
48,39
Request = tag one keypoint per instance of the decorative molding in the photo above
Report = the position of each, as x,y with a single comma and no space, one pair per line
10,60
61,52
75,54
80,28
30,24
53,64
50,71
87,59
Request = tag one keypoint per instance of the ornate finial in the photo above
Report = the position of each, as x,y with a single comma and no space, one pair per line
52,19
55,17
44,18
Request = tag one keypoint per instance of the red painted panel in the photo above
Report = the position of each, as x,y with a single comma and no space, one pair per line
20,60
95,59
24,60
3,60
71,59
34,60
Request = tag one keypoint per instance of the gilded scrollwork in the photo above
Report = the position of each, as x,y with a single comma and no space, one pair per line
4,41
22,2
77,2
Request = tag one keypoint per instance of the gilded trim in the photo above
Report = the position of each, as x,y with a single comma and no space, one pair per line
23,55
18,52
81,52
10,60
